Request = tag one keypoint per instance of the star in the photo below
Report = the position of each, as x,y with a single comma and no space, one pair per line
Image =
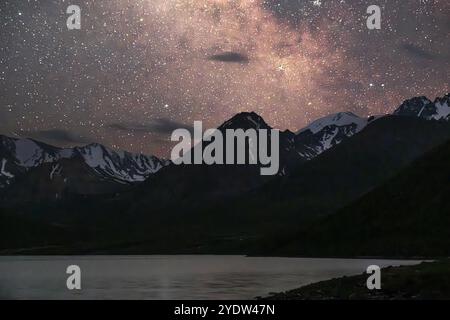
177,61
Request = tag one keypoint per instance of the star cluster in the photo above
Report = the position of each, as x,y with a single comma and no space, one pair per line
139,68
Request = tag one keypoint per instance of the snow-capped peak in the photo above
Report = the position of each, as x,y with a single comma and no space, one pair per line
327,132
340,119
28,153
120,166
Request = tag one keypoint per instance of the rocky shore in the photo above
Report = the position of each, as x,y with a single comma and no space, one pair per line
428,280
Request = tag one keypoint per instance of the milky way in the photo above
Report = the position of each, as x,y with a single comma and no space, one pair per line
137,69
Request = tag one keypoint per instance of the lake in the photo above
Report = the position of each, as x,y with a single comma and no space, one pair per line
169,277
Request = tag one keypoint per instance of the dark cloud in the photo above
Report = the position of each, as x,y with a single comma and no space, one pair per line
57,135
233,57
418,52
161,126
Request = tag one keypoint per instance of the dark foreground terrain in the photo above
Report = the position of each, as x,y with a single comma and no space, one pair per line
428,280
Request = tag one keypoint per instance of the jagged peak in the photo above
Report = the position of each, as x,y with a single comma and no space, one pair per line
444,99
245,120
412,106
423,99
424,108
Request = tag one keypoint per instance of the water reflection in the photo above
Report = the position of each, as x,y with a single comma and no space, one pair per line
169,277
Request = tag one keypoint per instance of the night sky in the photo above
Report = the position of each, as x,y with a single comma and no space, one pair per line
139,69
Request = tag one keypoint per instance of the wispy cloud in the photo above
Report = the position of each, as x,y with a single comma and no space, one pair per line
160,125
418,52
56,135
231,57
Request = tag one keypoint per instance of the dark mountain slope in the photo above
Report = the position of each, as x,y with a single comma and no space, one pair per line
59,179
17,232
407,216
354,167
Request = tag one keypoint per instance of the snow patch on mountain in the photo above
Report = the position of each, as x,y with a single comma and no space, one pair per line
56,169
442,110
28,153
327,139
121,165
340,119
3,171
93,154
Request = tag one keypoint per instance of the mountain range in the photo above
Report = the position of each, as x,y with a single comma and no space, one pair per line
88,169
326,168
95,169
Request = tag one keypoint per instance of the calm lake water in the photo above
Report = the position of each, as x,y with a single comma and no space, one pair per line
169,277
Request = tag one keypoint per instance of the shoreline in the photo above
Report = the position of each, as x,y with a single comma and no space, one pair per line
32,252
413,282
